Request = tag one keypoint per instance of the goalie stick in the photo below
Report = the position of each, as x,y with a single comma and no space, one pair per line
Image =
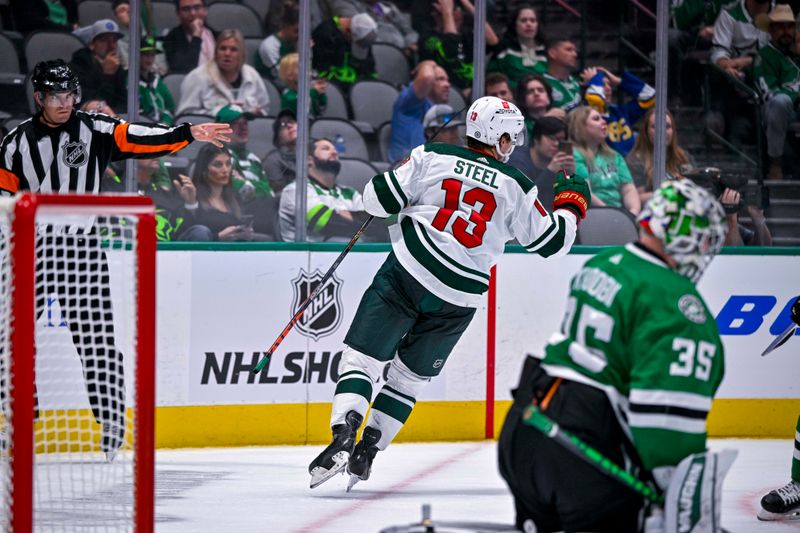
263,362
535,417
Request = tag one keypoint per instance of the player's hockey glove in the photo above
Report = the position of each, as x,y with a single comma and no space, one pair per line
571,193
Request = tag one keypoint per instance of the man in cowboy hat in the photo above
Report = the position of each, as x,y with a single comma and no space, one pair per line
777,73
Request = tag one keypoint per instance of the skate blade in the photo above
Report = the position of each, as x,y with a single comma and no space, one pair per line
352,481
766,516
320,475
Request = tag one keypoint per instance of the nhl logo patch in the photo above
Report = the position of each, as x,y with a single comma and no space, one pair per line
692,308
74,154
324,314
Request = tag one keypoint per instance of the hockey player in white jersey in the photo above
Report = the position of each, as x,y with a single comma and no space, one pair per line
457,207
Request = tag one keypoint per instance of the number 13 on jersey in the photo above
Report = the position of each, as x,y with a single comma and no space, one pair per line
482,206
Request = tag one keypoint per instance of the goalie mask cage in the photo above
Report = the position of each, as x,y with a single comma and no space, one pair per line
77,343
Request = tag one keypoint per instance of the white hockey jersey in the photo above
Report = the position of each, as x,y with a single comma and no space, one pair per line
457,208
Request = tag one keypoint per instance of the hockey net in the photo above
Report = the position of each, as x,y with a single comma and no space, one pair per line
77,310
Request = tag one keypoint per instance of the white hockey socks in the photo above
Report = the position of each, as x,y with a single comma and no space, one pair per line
393,404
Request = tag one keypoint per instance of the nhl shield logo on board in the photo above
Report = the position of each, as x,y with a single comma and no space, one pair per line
324,314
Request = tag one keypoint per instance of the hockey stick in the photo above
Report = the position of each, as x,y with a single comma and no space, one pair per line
535,417
263,362
780,340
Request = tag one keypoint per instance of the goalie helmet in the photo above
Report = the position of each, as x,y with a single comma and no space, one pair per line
690,223
55,76
489,118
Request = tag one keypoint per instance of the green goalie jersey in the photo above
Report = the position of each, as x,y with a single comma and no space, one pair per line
639,331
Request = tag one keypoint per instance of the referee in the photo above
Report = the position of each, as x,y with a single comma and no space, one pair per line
63,150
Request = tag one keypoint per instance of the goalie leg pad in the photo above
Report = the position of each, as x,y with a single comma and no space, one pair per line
694,495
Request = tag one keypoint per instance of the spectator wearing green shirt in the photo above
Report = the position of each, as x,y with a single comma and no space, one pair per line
289,71
602,167
248,176
522,51
777,74
155,99
562,62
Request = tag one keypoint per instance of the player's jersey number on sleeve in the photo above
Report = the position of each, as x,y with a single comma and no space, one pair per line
483,206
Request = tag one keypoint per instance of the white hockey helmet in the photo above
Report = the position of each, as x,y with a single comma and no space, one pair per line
489,118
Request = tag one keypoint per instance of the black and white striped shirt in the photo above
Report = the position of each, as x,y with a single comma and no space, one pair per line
73,156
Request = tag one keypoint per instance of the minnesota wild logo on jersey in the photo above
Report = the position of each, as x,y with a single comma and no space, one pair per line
638,330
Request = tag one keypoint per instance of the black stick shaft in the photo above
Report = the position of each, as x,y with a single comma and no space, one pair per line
263,362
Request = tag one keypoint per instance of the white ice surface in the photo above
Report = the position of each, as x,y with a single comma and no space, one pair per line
266,489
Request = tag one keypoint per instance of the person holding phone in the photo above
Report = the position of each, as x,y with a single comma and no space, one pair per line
549,152
218,206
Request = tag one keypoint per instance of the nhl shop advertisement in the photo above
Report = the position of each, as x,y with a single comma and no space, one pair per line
232,329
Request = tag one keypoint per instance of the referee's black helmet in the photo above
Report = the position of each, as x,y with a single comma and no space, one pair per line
54,76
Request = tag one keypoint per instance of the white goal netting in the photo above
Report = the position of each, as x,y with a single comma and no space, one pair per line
83,328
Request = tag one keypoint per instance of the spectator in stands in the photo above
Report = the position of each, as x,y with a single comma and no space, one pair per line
777,74
640,159
497,84
190,44
249,178
50,15
334,212
442,125
521,50
224,80
739,235
544,158
219,209
98,66
394,27
621,119
605,169
735,43
289,73
121,10
693,29
535,100
449,44
282,42
174,211
280,162
155,99
562,61
430,86
97,106
343,49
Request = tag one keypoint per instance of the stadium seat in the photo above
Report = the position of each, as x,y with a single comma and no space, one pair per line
456,101
330,127
251,44
607,225
45,45
372,102
261,7
164,17
226,15
391,64
274,98
91,10
384,136
9,58
173,83
337,105
260,142
355,173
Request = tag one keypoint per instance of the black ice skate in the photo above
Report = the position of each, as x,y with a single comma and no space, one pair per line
782,503
111,439
360,464
334,458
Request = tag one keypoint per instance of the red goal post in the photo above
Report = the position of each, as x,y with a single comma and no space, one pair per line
60,461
